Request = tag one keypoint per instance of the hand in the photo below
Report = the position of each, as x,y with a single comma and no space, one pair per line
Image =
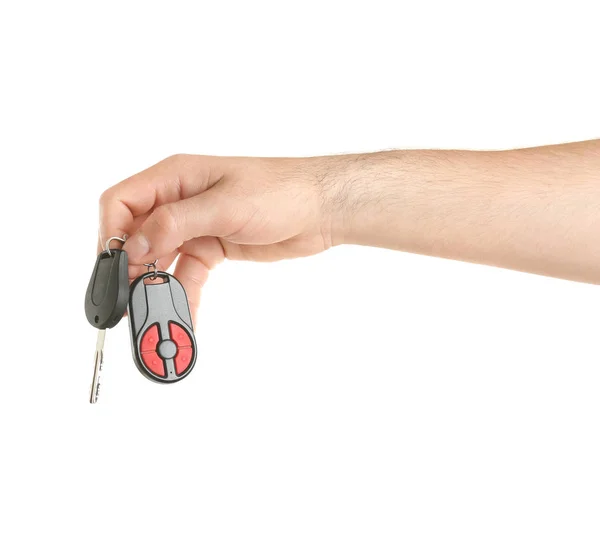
533,209
205,209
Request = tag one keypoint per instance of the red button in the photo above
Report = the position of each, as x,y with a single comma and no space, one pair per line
150,339
154,363
183,359
179,335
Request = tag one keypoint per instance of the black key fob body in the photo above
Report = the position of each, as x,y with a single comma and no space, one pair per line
108,290
160,323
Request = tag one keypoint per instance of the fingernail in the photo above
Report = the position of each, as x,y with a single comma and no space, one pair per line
137,247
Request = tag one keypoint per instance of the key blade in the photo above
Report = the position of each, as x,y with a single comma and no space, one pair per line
96,380
98,359
100,340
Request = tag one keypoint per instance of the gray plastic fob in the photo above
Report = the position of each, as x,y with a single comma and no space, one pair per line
160,324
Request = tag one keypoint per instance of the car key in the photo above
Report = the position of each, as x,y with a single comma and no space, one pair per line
160,323
106,301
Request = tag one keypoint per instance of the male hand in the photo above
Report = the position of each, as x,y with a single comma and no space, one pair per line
205,209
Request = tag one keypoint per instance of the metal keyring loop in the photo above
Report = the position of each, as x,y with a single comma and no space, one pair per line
152,265
107,245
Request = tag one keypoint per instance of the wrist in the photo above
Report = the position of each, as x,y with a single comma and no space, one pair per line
359,192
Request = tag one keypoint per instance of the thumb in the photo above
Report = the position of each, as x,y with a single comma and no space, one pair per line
172,224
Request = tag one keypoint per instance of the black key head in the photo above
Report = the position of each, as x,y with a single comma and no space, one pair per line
108,291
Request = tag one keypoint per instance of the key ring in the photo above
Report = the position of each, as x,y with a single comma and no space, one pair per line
107,245
152,265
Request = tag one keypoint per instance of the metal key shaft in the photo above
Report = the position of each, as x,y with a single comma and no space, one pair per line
98,358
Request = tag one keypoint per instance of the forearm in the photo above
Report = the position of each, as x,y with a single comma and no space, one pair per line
535,210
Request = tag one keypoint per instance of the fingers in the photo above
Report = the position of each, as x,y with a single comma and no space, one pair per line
197,257
177,177
135,224
210,213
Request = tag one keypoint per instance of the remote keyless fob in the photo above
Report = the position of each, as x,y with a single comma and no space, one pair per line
160,323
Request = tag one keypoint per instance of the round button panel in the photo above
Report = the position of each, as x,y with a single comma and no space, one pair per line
154,352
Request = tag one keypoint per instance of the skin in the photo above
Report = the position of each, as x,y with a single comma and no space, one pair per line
535,210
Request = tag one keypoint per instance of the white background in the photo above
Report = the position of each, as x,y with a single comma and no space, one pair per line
358,400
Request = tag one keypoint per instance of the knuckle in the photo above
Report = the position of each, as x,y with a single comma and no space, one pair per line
165,219
106,197
176,159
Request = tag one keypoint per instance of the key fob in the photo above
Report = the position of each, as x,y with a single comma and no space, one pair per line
160,323
108,290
